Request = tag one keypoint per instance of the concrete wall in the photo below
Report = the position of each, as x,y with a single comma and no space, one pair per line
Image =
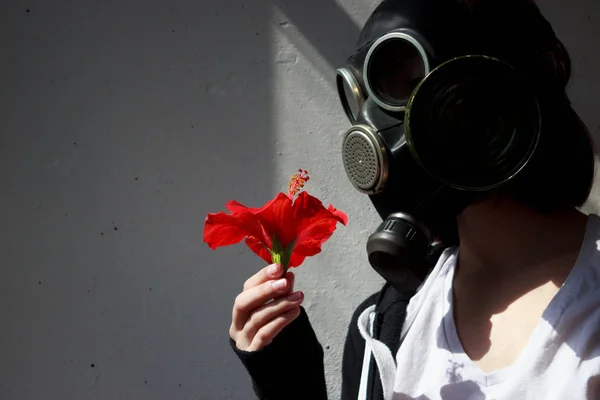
123,123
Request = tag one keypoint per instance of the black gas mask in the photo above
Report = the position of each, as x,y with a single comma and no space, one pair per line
435,127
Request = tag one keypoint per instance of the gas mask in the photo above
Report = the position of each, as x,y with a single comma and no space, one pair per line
435,127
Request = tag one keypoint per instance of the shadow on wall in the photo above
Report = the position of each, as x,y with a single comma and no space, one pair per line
325,25
123,123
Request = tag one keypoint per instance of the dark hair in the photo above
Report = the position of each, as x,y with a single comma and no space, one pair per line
561,173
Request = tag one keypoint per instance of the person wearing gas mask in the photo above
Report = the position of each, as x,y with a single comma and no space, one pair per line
464,139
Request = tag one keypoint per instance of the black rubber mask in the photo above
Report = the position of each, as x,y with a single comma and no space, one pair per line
434,127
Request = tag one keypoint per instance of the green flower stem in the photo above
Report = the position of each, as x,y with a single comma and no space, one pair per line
282,256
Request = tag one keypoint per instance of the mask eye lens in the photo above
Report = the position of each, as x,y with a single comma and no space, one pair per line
350,94
473,123
394,68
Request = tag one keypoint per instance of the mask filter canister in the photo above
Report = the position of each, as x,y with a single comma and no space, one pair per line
399,240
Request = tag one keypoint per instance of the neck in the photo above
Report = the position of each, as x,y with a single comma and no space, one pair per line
500,237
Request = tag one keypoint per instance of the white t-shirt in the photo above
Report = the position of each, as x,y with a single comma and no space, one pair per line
561,360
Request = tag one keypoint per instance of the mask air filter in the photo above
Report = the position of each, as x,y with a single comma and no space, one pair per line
365,159
399,245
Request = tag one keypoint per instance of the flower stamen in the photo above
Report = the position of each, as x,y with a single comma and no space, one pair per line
296,183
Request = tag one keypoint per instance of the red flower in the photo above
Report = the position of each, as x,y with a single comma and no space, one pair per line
284,230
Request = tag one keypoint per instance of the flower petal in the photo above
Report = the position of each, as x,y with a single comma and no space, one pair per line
312,218
314,225
223,229
308,209
235,207
258,248
296,260
311,240
340,215
277,219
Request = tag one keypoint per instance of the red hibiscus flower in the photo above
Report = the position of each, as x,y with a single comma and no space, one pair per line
285,230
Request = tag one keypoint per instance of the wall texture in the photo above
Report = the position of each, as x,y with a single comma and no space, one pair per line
122,124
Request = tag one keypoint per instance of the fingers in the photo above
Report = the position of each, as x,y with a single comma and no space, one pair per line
272,271
267,333
291,279
265,314
253,298
266,306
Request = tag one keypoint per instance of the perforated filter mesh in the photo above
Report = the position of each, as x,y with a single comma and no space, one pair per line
361,160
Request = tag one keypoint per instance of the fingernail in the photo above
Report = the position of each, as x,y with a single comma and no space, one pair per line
296,296
280,284
273,268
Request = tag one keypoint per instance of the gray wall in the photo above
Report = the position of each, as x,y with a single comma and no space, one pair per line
123,123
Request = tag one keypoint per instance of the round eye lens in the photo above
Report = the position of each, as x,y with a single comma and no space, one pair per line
394,69
350,93
473,123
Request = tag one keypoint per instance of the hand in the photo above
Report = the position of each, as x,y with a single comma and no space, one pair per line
265,306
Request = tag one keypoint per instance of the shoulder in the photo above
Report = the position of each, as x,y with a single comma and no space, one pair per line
388,302
368,302
383,300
